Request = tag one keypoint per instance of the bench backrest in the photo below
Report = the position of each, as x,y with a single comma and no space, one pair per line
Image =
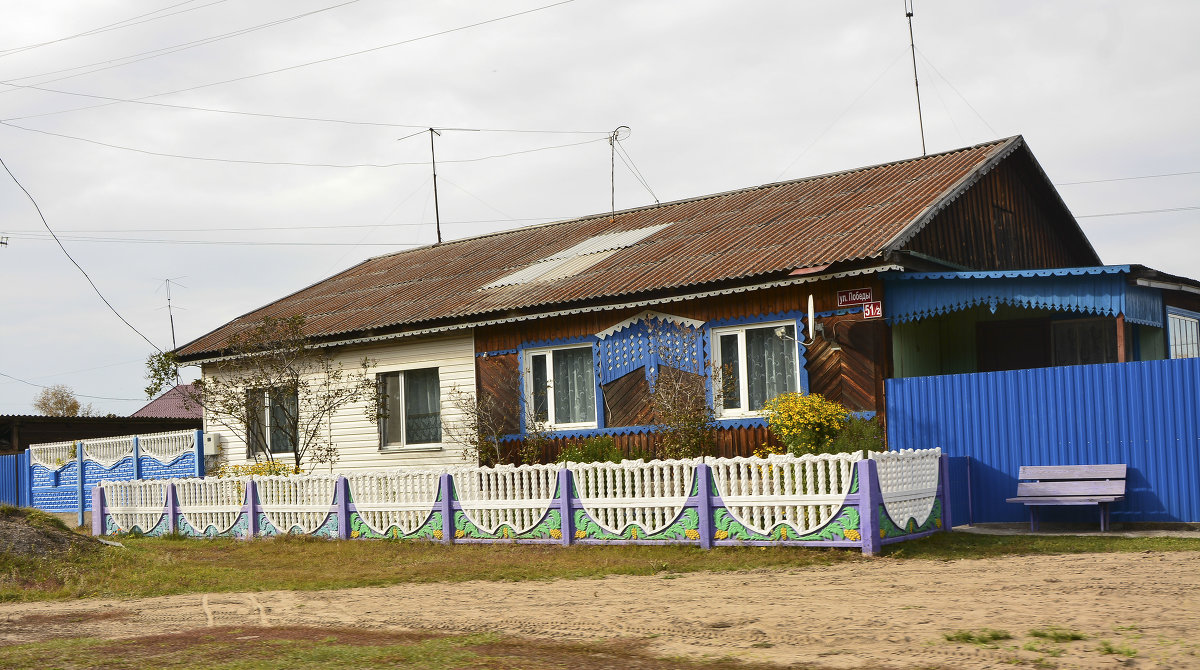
1072,480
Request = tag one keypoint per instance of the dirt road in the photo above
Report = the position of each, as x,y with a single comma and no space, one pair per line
886,613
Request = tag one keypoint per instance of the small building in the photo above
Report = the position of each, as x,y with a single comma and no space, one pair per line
782,287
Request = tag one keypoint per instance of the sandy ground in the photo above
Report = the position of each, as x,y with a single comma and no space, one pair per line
885,613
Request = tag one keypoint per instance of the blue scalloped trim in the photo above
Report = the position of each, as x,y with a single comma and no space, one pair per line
1009,274
498,352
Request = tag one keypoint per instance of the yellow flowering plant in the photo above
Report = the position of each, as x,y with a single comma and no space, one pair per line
805,424
260,469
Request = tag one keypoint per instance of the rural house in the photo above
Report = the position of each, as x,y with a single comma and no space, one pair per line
571,323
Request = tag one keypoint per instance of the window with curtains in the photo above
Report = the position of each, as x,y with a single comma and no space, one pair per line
273,417
752,364
560,387
411,408
1183,333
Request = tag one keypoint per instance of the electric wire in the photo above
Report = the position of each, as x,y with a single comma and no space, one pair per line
139,57
232,243
956,91
213,159
633,169
112,26
318,61
70,258
1143,211
1145,176
79,395
262,228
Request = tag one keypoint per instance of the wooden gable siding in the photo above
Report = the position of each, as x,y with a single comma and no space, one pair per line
627,400
850,376
497,378
1010,219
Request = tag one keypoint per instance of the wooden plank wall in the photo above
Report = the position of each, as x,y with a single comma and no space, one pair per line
1008,220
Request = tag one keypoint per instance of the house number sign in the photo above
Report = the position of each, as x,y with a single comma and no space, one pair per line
856,296
873,310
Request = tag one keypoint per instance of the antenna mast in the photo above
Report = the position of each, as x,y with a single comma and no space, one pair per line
908,12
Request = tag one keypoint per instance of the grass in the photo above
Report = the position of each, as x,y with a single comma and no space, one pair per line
986,637
1107,647
1056,634
163,566
230,648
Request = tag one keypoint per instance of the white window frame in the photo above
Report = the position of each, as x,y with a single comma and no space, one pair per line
743,379
1186,318
263,417
527,378
404,444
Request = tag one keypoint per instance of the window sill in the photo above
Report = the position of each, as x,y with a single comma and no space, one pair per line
404,449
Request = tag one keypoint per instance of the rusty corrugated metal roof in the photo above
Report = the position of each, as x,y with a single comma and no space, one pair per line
751,232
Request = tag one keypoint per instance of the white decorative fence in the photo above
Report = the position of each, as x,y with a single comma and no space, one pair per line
829,500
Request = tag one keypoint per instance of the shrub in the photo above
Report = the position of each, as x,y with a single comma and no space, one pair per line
805,424
260,469
591,450
858,434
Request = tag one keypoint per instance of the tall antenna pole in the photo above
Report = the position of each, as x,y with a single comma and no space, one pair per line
612,174
170,313
433,161
908,11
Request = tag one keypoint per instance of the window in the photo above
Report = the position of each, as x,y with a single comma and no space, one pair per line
560,387
1183,333
273,418
411,404
754,364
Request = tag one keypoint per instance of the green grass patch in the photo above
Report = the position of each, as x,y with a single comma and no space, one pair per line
1043,648
986,637
1107,647
954,546
1056,634
232,648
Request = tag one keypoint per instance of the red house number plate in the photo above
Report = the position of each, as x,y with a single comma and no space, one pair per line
873,310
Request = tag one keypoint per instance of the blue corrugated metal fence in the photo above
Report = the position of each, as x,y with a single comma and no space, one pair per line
14,479
1144,414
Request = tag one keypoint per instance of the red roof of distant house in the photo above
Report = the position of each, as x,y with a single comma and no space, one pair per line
173,404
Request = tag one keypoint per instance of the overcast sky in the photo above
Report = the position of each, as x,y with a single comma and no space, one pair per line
718,96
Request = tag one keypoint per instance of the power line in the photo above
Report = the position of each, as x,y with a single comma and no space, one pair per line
112,26
1145,176
323,60
68,255
956,91
633,169
1144,211
330,227
213,159
81,395
236,243
166,51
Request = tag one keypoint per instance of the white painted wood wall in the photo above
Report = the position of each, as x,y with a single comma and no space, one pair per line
355,435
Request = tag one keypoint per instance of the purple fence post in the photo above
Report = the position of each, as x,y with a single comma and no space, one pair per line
446,506
137,457
98,511
704,505
870,499
947,518
566,524
251,516
198,450
172,509
343,507
79,461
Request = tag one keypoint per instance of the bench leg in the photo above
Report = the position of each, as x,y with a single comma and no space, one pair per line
1033,519
1103,517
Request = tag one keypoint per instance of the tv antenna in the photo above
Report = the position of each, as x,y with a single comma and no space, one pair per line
912,45
170,311
622,132
437,217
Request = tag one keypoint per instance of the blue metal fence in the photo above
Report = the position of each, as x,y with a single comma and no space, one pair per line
1144,414
14,479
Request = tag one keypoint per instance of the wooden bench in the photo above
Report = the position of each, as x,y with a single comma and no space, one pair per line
1070,485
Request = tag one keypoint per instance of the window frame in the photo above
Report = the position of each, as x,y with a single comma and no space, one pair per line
528,390
1186,316
263,412
385,445
743,411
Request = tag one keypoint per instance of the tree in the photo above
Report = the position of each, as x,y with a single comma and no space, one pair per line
485,418
278,390
60,400
679,399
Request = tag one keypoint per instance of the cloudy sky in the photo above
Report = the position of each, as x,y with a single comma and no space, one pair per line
117,116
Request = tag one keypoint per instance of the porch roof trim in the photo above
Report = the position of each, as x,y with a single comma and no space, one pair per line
1101,290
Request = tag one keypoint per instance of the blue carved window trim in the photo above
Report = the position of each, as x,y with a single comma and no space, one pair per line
523,352
795,318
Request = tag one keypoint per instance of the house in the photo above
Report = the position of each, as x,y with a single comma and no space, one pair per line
174,403
569,324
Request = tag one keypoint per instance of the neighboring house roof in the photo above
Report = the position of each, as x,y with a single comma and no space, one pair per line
740,237
174,404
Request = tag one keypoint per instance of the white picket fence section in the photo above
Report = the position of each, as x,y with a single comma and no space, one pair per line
290,502
209,502
137,503
909,481
516,496
166,447
649,494
803,492
52,455
107,451
400,498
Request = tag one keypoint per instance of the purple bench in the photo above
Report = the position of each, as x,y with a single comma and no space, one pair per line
1070,485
